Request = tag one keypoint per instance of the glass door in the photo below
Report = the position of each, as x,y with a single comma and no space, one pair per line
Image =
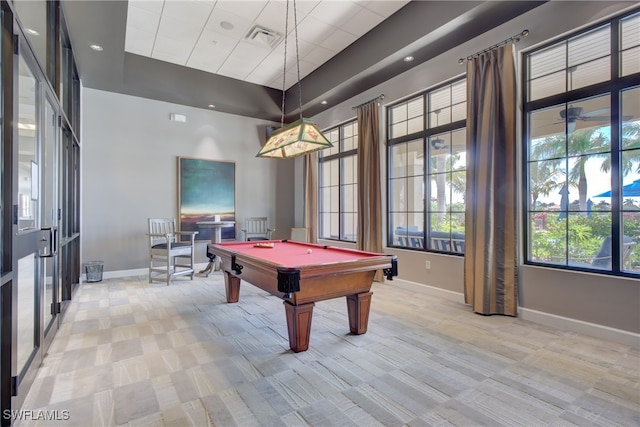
36,223
50,219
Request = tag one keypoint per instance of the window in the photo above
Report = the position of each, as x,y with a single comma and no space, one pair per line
582,119
428,194
338,178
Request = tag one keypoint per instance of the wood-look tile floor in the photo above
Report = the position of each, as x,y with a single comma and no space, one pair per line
139,354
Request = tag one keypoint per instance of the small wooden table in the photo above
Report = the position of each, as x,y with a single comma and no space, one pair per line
216,237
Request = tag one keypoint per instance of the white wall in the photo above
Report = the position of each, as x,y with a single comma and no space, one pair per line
605,303
129,172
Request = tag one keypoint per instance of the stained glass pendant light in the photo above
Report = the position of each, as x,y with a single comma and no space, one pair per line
302,136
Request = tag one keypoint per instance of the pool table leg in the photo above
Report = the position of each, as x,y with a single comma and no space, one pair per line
358,308
232,287
299,325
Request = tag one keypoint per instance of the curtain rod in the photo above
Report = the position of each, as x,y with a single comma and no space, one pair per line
380,97
515,38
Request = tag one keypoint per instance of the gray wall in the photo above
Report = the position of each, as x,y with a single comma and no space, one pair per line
581,297
129,172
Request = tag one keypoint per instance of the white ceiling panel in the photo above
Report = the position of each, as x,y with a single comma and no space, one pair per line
141,42
319,55
313,30
290,80
220,17
209,55
248,9
338,40
249,52
336,13
385,8
304,7
273,14
305,67
171,50
194,12
237,68
197,34
150,6
143,19
218,40
362,22
304,48
268,70
179,31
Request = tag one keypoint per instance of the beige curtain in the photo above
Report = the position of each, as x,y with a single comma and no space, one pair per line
490,268
311,196
369,233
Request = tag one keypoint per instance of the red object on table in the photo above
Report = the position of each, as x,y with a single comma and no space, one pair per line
302,278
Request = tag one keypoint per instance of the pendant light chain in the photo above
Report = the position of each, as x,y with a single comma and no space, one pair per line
301,136
295,21
284,67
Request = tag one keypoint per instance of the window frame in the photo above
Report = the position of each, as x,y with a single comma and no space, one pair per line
340,156
428,131
613,88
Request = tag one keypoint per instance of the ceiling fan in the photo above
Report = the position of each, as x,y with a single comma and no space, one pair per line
438,144
574,114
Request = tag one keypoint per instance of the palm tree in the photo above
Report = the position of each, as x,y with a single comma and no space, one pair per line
543,179
593,142
582,145
440,164
630,142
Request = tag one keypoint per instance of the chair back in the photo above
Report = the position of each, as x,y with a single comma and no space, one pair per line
603,257
256,228
627,250
299,234
163,226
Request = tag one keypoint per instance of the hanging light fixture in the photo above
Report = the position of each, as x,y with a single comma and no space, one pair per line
302,136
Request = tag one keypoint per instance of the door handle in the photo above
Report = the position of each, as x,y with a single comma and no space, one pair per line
50,235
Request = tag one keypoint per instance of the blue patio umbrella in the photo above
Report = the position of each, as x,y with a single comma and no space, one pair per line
589,208
564,202
629,190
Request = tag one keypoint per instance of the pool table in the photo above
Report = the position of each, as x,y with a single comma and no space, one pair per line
302,274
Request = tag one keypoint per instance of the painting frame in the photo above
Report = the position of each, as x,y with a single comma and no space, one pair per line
206,191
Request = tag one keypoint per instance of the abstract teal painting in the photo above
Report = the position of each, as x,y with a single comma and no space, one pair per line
206,188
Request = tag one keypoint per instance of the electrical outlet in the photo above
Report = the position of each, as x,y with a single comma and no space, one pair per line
427,265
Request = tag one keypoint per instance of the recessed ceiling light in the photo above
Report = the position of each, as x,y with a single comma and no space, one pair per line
96,47
408,58
323,102
226,25
31,31
211,106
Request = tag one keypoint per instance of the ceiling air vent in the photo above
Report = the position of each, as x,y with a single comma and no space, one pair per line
264,37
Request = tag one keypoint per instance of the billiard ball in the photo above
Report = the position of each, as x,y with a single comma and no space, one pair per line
309,251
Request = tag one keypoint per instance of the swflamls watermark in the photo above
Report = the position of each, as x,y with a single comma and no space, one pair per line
36,415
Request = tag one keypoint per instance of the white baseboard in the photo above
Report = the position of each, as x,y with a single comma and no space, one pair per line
559,322
134,272
432,290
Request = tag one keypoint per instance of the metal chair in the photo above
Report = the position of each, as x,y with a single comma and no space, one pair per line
168,255
602,259
257,228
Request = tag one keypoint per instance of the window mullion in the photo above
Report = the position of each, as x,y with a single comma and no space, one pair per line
616,181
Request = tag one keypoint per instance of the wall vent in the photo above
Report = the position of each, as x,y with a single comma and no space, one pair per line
264,37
